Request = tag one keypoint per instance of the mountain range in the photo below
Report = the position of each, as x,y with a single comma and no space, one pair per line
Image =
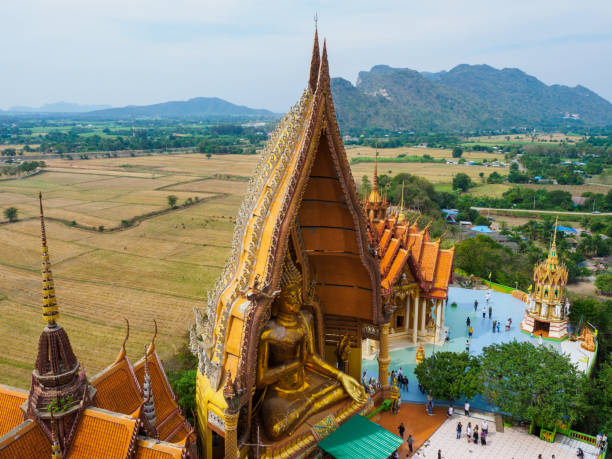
58,107
196,108
466,97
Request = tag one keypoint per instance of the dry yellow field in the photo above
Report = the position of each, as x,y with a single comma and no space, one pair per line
158,269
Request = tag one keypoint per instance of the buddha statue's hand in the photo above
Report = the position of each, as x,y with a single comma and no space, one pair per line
353,388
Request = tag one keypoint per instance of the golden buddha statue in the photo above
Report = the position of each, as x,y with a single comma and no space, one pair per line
295,382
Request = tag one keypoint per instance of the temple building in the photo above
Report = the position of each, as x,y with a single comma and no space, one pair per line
279,345
415,271
126,411
548,308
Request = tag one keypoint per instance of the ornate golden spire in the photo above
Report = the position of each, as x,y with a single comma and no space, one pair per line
553,260
50,310
374,196
315,62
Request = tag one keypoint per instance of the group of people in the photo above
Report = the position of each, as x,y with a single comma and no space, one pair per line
601,441
370,386
402,381
473,434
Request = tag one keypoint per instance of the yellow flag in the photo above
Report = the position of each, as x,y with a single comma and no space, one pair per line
490,275
530,287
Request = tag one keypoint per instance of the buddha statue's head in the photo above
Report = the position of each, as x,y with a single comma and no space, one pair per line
290,298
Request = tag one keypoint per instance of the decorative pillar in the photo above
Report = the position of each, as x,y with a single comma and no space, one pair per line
407,314
423,330
415,322
438,329
231,393
384,359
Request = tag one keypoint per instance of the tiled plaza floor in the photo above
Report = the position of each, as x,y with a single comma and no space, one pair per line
512,443
504,306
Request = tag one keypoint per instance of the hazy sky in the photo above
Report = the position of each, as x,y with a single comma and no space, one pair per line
256,53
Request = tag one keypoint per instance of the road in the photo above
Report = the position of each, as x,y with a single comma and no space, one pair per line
553,212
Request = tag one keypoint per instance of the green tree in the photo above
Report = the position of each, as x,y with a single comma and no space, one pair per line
604,283
532,383
462,182
495,177
449,375
208,155
481,175
10,213
457,152
172,200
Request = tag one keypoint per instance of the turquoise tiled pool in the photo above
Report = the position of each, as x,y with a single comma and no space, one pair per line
504,306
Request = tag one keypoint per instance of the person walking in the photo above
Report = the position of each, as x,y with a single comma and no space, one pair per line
410,440
475,434
494,324
498,326
484,312
439,454
468,322
475,305
450,411
485,427
483,438
490,311
401,429
459,428
468,432
467,346
470,332
466,409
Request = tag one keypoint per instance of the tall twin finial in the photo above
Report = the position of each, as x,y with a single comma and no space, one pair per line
375,178
49,308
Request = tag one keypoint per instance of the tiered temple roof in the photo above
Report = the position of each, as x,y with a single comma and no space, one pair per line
106,418
402,246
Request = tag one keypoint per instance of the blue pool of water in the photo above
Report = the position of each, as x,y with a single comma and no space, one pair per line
504,306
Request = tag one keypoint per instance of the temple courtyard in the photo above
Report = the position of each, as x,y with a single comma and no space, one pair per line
513,443
504,306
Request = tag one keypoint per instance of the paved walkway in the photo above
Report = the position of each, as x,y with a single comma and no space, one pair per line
416,421
513,443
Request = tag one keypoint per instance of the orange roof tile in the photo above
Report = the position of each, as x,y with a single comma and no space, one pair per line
384,240
444,269
11,415
147,448
102,433
396,269
428,260
171,426
25,441
118,389
389,256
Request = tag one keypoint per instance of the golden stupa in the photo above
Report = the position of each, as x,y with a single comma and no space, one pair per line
300,280
548,308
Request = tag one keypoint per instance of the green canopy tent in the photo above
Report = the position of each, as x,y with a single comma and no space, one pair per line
360,438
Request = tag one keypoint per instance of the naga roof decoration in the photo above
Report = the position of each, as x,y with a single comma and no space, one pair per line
305,148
